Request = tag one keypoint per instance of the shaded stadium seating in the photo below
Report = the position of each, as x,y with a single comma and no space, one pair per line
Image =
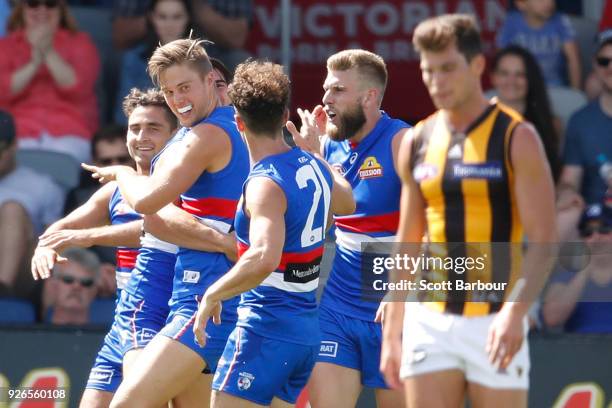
97,23
14,310
565,101
586,31
102,311
63,168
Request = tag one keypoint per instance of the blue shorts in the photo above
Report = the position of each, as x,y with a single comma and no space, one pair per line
136,323
179,327
257,368
352,343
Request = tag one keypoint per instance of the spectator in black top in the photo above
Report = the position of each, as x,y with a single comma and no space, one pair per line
224,22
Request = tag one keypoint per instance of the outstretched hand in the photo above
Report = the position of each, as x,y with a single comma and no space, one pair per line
312,130
105,174
43,261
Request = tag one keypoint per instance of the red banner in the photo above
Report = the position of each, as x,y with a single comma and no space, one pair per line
321,28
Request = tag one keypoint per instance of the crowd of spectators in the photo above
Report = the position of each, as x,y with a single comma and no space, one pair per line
51,68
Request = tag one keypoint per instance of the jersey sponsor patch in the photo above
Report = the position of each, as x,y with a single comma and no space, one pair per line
425,171
488,171
101,375
191,276
328,348
146,334
370,168
302,272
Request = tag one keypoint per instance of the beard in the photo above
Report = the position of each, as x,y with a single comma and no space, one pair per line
351,122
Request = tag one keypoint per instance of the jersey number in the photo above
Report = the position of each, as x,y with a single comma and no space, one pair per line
311,171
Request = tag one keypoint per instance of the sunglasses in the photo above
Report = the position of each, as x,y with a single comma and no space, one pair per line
38,3
602,229
107,161
603,61
69,280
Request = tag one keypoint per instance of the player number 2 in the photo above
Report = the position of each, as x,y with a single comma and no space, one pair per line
311,171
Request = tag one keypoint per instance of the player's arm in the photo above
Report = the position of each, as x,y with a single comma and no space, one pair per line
535,199
266,205
342,199
93,213
396,144
89,225
533,179
177,169
175,225
409,235
127,234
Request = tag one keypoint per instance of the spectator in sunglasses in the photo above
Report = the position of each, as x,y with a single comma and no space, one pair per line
29,201
581,301
48,72
588,145
68,296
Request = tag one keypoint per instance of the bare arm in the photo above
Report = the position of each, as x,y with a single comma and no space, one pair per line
127,31
23,76
62,72
538,216
342,200
127,234
206,147
266,203
223,31
572,55
533,179
93,213
175,225
410,231
569,187
561,299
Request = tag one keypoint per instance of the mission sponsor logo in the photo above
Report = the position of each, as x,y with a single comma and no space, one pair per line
370,168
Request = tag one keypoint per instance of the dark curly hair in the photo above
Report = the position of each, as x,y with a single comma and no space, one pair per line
150,97
260,93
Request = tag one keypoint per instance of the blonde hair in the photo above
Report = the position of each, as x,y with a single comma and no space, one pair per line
183,51
371,67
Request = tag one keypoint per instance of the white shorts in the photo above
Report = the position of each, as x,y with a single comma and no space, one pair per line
436,341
